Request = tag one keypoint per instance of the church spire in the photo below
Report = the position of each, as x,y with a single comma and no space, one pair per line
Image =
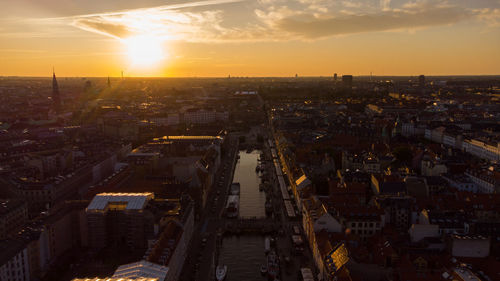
55,93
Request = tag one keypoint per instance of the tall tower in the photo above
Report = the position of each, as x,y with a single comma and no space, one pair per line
421,84
347,81
56,98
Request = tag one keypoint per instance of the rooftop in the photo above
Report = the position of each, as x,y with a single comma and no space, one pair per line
141,269
134,201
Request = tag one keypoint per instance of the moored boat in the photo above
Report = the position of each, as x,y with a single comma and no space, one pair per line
220,272
232,206
269,207
267,245
273,267
235,188
263,269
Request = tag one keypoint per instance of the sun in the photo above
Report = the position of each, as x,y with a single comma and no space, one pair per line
144,50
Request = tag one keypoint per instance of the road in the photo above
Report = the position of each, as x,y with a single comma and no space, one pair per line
200,261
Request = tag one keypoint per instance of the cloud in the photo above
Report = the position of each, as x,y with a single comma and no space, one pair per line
277,20
385,4
490,16
99,25
308,26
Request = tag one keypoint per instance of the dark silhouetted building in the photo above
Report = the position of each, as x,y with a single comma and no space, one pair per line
421,81
347,81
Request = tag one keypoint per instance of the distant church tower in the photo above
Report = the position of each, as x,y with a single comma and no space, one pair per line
56,98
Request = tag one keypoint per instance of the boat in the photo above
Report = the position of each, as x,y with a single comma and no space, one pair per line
220,272
263,269
269,207
273,266
267,245
232,206
235,188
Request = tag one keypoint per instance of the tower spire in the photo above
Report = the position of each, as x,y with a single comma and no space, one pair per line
55,92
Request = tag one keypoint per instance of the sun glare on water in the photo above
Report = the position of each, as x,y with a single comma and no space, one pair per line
144,51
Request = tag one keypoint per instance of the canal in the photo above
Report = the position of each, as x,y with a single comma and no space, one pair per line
252,201
244,254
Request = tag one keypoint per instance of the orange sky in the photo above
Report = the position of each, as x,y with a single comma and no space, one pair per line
249,38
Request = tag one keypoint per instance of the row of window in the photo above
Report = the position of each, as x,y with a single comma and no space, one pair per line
364,224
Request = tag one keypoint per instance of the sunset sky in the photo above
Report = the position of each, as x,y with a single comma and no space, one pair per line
249,37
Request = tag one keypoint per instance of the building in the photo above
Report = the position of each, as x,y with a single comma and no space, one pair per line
347,81
469,246
420,231
417,186
421,82
13,215
397,210
461,182
170,250
140,269
316,218
387,184
120,219
488,150
14,263
362,221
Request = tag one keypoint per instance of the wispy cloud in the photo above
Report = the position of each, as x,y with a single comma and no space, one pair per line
273,20
309,26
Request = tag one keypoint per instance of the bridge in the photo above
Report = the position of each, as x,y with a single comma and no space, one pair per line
250,225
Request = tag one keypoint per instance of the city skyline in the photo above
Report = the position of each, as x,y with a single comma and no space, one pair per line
250,38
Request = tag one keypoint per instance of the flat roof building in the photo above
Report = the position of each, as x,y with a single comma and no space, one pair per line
119,219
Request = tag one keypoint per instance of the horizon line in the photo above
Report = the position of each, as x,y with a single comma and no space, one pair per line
247,77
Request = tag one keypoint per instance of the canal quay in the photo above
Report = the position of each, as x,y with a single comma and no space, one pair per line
239,243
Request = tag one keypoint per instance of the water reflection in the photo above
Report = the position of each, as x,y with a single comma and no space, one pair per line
243,256
252,201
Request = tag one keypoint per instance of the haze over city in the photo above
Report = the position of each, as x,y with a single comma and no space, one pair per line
216,38
249,140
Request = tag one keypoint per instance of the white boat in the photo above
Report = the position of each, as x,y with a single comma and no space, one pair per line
263,269
232,206
267,245
235,188
220,272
